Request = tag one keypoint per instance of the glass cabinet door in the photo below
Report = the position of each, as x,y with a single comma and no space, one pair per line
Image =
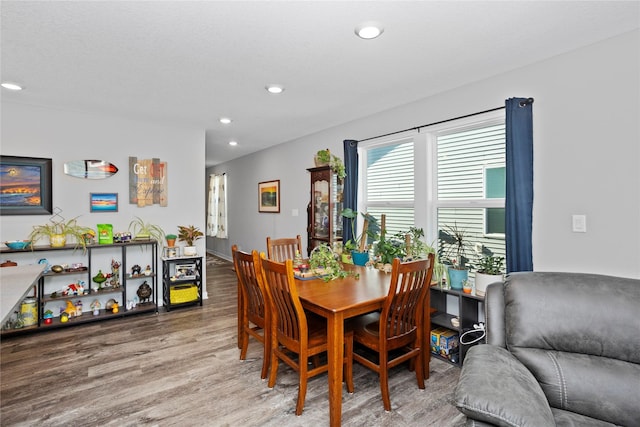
325,208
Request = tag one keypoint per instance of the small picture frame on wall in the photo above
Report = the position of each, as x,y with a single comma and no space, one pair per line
269,196
25,185
103,202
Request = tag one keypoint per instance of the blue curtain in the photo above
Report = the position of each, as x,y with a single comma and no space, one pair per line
350,192
519,192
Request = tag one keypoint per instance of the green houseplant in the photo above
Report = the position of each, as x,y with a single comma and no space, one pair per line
57,233
323,261
324,157
171,240
189,234
453,250
370,232
144,230
489,269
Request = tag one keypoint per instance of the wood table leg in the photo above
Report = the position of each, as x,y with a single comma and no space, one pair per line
335,355
240,311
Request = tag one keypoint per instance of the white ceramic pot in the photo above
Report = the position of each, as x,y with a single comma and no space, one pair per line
189,251
484,280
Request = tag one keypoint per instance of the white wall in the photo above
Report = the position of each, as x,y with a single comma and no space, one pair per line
586,154
69,135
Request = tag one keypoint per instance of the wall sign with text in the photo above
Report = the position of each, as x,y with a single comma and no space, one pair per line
148,182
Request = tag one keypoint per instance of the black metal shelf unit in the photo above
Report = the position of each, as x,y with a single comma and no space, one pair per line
181,281
47,295
468,305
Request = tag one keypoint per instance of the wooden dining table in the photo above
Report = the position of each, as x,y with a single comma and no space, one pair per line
338,300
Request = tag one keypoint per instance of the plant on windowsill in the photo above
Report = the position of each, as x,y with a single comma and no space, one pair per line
489,269
325,158
360,245
453,250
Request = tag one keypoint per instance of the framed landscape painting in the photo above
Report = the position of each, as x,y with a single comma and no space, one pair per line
269,196
25,186
103,202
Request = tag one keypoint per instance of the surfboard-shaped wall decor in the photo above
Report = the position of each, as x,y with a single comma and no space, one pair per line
90,169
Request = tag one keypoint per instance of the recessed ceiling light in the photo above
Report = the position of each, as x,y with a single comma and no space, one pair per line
369,30
11,86
274,88
233,143
225,120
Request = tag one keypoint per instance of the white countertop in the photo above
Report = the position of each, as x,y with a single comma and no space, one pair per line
15,283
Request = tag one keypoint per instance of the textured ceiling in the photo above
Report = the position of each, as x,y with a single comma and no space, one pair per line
190,63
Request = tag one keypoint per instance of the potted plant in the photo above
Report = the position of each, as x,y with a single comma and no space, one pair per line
386,249
359,246
171,240
324,263
325,158
417,248
489,269
57,233
453,249
145,231
189,234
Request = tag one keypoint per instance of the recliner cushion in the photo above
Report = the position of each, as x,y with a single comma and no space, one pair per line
575,333
496,388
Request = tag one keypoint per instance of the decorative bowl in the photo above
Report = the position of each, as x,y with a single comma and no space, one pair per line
18,244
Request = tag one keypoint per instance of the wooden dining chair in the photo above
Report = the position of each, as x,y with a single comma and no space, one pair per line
282,249
296,336
398,328
255,319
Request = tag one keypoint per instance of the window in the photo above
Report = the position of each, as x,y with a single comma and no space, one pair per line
470,183
388,183
217,206
444,175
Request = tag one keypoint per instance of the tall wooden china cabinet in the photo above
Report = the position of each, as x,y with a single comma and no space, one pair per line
324,212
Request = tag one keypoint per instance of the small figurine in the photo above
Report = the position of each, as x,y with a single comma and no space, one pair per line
147,271
70,310
95,306
135,270
144,292
79,308
115,273
99,279
74,289
48,317
45,262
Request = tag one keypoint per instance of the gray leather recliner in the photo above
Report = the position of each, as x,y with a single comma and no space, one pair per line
563,349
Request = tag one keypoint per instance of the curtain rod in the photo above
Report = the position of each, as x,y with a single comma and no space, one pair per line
522,104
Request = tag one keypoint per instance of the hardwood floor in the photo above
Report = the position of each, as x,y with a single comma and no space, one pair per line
183,368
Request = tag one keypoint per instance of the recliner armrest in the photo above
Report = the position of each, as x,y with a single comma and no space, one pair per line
496,388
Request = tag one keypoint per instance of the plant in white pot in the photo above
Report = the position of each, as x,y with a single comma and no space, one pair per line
489,270
189,234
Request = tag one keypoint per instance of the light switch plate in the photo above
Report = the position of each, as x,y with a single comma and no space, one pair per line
579,223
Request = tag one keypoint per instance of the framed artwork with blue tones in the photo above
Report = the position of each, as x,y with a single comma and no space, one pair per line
25,186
